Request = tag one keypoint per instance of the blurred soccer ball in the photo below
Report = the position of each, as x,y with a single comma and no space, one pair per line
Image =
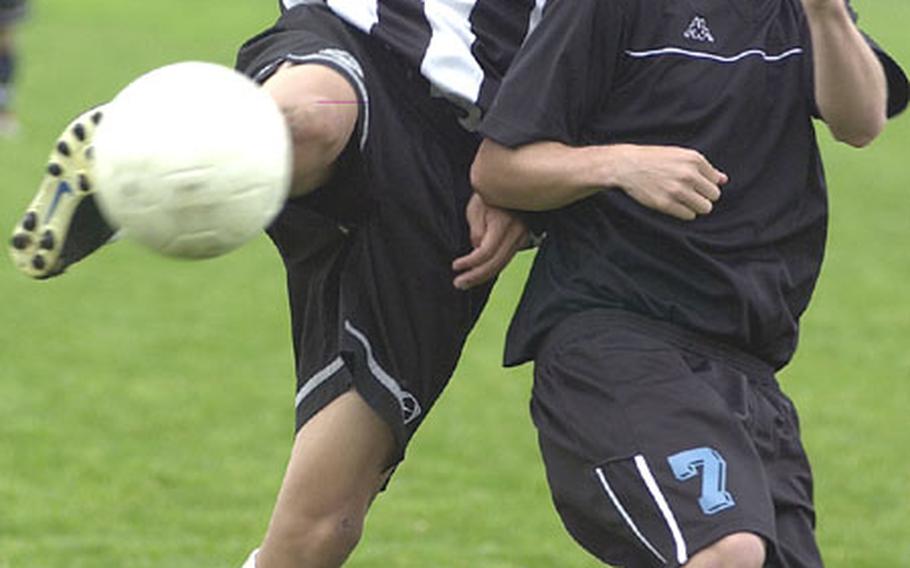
192,159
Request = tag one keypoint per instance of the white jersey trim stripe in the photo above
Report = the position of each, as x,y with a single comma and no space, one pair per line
625,515
448,60
682,554
715,57
364,13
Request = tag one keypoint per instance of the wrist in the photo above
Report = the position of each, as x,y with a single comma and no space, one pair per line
608,161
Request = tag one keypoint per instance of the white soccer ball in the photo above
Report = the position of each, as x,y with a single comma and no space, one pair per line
192,159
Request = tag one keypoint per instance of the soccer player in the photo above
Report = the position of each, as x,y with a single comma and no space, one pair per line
666,438
11,11
380,101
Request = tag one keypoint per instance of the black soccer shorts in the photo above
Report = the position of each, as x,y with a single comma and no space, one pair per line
369,255
658,442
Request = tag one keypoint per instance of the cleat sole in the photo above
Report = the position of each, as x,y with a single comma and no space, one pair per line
42,245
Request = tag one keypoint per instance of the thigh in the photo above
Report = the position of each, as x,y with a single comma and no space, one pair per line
647,462
321,109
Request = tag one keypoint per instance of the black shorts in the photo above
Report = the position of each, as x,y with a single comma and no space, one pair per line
369,255
11,10
659,442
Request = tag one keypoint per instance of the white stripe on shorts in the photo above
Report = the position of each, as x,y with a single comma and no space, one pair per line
317,379
410,406
625,516
682,554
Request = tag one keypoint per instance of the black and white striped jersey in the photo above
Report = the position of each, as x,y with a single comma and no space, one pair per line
463,47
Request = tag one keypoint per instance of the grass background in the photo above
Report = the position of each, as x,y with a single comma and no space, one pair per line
146,404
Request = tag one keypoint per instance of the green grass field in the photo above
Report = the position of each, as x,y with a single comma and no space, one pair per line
146,404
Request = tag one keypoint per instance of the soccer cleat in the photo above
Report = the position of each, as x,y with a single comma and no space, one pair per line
63,225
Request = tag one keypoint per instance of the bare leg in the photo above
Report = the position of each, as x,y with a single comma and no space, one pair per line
321,110
338,464
340,456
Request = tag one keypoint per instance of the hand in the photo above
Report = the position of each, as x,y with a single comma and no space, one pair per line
496,235
676,181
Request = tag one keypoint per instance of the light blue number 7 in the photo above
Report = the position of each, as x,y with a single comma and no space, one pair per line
714,496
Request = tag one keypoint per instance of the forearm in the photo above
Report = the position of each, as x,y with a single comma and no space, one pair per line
850,85
538,176
679,182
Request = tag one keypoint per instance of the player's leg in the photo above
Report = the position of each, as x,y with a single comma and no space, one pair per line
338,463
321,110
649,448
62,225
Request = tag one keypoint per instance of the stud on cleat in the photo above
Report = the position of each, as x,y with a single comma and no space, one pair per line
30,221
62,224
47,240
21,241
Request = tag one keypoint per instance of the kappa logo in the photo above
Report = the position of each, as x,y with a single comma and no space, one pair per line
698,30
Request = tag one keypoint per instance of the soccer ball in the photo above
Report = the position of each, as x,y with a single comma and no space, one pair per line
192,159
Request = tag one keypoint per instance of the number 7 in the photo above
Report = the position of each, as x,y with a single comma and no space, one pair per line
714,496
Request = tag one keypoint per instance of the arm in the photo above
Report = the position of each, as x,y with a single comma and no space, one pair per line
850,86
548,175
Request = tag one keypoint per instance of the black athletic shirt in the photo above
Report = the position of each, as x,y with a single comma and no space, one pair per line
729,78
463,47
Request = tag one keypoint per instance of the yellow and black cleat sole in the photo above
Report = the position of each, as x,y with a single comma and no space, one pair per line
62,224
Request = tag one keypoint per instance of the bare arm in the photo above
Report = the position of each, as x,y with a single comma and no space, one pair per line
548,175
850,86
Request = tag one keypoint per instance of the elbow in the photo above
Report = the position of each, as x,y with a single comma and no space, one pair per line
482,181
859,137
490,182
860,133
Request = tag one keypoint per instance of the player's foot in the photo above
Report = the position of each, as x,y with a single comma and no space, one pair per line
63,225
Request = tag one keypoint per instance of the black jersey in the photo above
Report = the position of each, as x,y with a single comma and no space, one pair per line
729,78
462,46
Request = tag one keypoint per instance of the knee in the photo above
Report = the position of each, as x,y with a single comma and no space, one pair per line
320,128
319,105
738,550
337,532
314,541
